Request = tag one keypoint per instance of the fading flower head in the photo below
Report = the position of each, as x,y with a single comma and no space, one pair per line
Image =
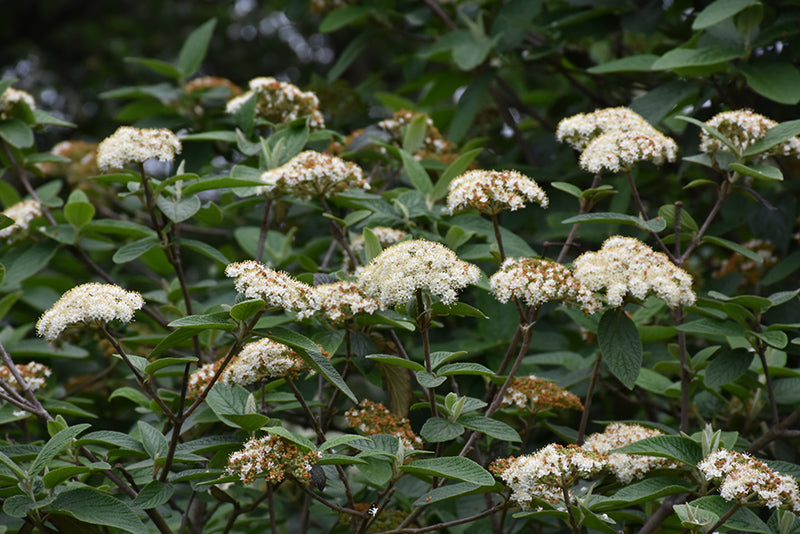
744,128
272,457
745,480
626,467
626,265
313,174
280,102
205,83
10,98
200,379
135,145
82,164
535,395
34,374
343,300
262,359
491,192
619,151
278,289
88,305
22,213
545,473
538,281
371,418
395,274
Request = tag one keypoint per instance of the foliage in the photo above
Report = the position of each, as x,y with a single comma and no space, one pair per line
290,365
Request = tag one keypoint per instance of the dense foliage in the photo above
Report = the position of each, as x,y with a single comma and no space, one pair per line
507,266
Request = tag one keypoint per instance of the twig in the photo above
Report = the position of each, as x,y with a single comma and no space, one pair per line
588,402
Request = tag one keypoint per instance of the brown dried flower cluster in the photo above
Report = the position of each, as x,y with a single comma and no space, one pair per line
34,374
536,395
372,418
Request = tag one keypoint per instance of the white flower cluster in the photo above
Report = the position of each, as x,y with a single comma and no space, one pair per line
538,281
279,102
491,192
10,98
743,128
543,474
34,374
201,378
22,213
626,467
398,272
88,304
273,457
535,395
278,289
615,139
743,476
626,265
432,143
386,236
342,300
313,174
261,359
135,145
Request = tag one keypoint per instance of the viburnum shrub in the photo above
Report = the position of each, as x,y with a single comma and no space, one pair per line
238,313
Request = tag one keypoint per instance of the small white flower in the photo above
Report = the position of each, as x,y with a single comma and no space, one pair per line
276,288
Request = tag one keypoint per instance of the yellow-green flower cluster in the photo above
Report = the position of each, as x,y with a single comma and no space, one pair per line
313,174
394,276
491,192
280,102
134,145
89,305
625,265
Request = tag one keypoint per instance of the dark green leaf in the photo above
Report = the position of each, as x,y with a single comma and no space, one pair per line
133,395
491,427
710,327
345,16
456,467
620,345
396,360
249,421
568,188
429,380
163,363
217,321
653,225
16,133
246,309
681,58
779,82
155,493
726,367
119,227
416,173
676,448
18,505
98,508
713,132
131,251
743,520
760,172
194,48
787,391
291,436
667,212
465,368
54,447
436,430
747,253
58,475
718,11
451,491
640,63
457,309
179,211
414,133
455,169
775,136
346,58
154,442
227,400
157,66
204,249
372,246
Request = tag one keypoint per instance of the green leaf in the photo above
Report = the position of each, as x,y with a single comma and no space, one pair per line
248,421
784,268
372,246
710,130
718,11
568,188
56,476
678,448
346,58
345,16
396,360
98,508
227,400
653,225
743,520
163,363
491,427
17,470
414,134
219,183
416,173
133,395
154,442
760,172
78,214
291,436
131,251
119,227
429,380
54,447
110,439
639,63
194,48
455,467
16,133
457,309
437,429
726,367
455,169
465,368
204,249
157,66
342,440
681,58
775,136
645,490
773,338
667,212
747,253
179,211
292,339
43,117
217,321
709,327
787,391
451,491
620,345
246,309
18,505
155,493
779,82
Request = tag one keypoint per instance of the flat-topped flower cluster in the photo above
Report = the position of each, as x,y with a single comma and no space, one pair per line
743,128
9,100
279,102
625,265
491,192
272,457
134,145
34,374
313,174
262,359
276,288
626,467
615,139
